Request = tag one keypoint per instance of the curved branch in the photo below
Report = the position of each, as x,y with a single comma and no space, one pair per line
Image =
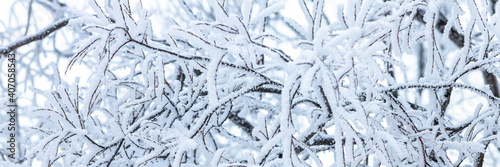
269,80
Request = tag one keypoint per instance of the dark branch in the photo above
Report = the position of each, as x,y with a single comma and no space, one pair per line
440,86
454,36
35,37
246,126
268,90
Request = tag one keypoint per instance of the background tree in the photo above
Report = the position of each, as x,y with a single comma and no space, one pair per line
241,83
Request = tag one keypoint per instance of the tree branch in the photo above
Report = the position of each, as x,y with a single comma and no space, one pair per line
246,126
454,36
440,86
35,37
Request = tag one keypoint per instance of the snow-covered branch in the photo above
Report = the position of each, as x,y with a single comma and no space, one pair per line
35,37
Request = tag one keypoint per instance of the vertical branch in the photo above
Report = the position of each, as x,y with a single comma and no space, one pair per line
490,80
